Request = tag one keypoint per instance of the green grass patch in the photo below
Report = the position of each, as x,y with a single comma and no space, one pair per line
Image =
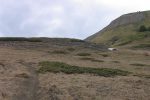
57,67
83,54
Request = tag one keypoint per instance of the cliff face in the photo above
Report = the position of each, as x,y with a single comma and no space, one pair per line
125,24
126,19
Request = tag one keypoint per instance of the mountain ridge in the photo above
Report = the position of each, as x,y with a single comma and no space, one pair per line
123,28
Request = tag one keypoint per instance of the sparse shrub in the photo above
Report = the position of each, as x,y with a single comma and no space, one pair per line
83,54
147,76
104,55
91,59
70,49
12,39
20,39
137,64
124,43
87,58
4,95
146,54
116,61
76,40
95,60
34,40
1,64
57,67
114,40
142,28
142,46
22,75
142,75
53,92
148,29
59,52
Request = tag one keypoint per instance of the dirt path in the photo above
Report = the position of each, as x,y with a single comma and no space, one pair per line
18,81
32,82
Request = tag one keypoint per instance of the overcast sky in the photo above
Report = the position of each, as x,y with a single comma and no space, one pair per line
62,18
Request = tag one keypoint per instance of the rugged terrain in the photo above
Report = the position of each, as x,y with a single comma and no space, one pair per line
21,79
124,31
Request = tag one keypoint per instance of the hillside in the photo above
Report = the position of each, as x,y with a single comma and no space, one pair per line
124,31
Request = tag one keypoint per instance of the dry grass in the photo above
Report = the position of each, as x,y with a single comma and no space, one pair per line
14,83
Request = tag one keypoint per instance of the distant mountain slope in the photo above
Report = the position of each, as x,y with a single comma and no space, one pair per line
124,30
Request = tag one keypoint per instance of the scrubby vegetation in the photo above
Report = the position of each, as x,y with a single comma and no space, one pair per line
83,54
57,67
96,60
104,55
115,61
71,49
143,28
20,39
58,52
143,32
138,64
76,40
134,37
141,46
124,43
142,75
87,58
22,75
91,59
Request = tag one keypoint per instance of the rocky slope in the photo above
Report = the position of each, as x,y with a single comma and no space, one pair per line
124,30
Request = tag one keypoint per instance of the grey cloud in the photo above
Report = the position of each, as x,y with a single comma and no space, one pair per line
53,18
